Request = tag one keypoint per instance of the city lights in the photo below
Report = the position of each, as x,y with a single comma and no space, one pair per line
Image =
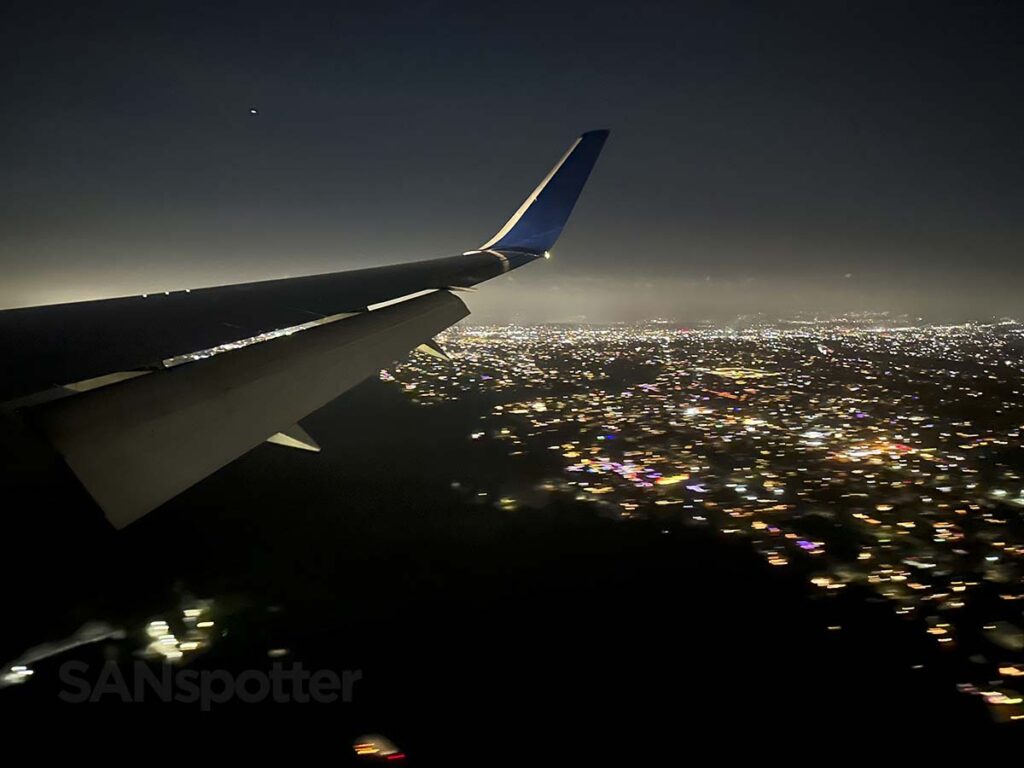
860,464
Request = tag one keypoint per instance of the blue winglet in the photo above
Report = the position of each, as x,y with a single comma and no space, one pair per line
539,221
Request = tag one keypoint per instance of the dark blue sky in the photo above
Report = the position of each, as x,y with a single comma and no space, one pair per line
764,156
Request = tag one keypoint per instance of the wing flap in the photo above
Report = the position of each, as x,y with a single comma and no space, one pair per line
137,443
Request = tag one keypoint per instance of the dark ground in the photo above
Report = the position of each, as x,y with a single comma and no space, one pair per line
481,634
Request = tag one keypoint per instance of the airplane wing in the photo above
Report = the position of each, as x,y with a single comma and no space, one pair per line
144,396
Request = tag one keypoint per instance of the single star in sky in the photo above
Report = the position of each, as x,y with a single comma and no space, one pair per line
253,111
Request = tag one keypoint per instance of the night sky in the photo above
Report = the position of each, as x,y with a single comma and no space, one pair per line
768,157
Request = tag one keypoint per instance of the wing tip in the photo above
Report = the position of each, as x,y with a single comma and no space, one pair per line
539,221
